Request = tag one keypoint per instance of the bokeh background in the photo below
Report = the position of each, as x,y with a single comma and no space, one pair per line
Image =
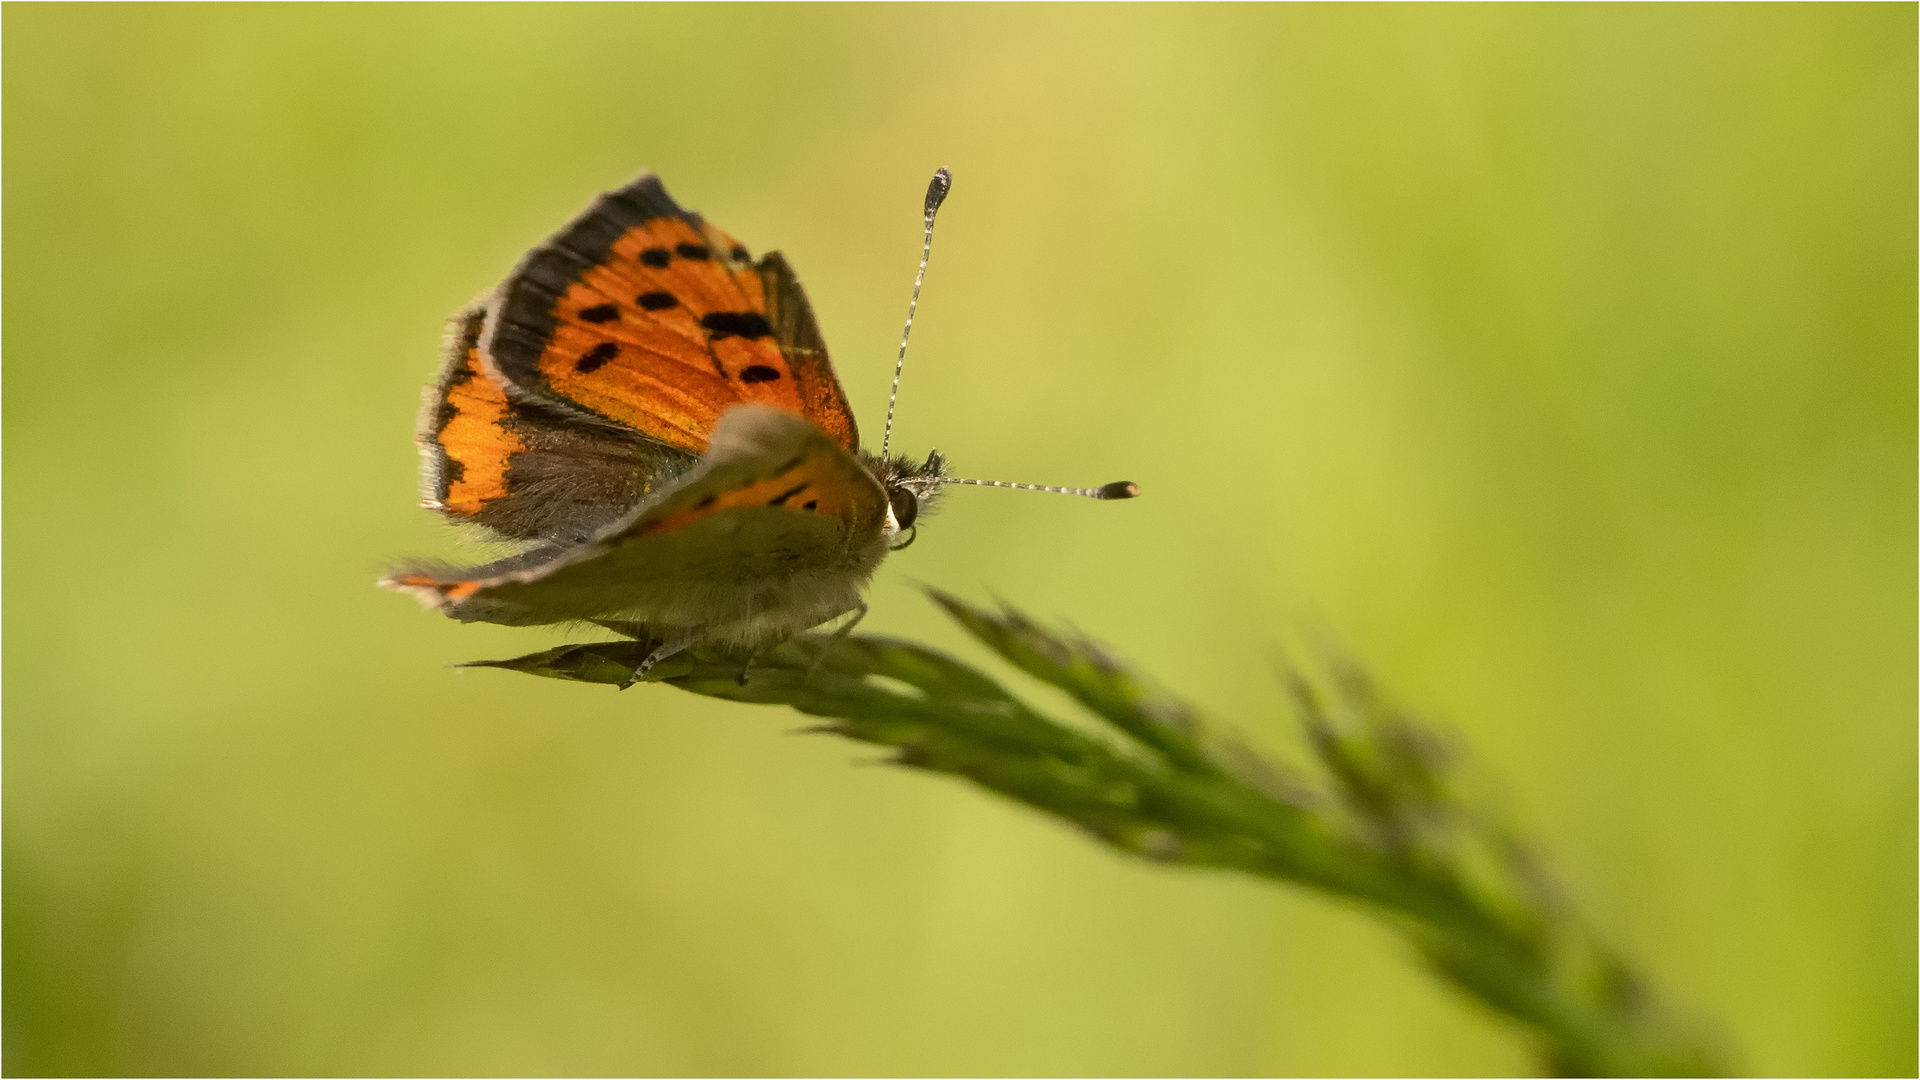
1559,362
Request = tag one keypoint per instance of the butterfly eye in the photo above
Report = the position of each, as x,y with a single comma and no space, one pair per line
905,507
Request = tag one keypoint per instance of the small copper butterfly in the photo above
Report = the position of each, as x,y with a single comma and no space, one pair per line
651,412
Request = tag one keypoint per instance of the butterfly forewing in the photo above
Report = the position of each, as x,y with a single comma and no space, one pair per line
642,313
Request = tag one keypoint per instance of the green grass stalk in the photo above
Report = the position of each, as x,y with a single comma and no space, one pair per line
1386,823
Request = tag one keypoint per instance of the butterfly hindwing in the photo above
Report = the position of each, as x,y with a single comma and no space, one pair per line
777,522
642,313
522,471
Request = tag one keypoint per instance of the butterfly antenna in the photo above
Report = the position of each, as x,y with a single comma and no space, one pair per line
1119,489
936,194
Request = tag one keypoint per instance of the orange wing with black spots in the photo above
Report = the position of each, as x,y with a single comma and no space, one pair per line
642,313
522,471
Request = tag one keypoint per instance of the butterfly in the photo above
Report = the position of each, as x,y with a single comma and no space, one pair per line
651,413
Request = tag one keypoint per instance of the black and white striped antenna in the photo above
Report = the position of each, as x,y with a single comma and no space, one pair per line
1119,489
937,194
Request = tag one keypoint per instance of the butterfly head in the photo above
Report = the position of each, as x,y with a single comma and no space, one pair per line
912,490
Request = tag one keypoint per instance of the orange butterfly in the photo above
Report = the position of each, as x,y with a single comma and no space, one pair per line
654,413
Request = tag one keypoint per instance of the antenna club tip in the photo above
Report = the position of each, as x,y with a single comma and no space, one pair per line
1120,489
937,190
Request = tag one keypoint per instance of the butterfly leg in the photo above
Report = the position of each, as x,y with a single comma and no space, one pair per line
661,652
839,635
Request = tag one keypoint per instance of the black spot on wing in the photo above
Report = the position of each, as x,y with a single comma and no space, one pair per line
692,251
596,357
706,502
600,313
758,373
657,258
656,301
746,324
781,499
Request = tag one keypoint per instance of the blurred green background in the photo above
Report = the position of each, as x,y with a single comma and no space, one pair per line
1558,361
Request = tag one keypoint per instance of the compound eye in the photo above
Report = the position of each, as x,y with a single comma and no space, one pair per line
905,507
